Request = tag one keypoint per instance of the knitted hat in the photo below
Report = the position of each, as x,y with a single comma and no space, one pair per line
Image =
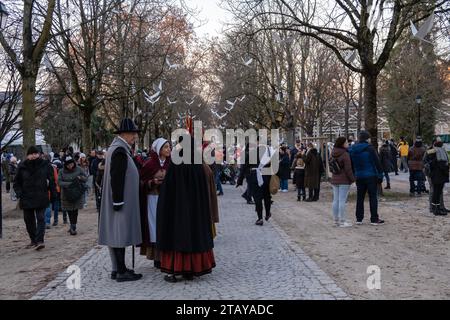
32,150
68,161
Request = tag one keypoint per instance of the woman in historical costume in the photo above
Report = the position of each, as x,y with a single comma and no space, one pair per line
120,221
184,225
151,176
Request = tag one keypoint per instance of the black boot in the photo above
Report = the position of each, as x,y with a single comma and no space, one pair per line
73,229
298,198
388,186
444,209
437,210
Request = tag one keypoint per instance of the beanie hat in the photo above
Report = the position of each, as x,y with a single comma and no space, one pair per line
363,135
32,150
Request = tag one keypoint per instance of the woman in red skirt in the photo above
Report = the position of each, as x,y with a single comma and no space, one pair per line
184,224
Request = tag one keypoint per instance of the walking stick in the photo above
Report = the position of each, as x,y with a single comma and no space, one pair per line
132,256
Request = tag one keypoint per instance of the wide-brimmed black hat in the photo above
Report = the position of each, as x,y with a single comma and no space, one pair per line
127,125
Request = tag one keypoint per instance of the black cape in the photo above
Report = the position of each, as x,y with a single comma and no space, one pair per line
183,217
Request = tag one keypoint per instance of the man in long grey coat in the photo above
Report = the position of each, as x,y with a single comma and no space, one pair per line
120,224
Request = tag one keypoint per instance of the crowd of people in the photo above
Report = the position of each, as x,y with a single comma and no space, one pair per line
170,210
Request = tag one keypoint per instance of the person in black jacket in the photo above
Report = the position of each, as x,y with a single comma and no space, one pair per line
34,185
436,163
386,161
258,190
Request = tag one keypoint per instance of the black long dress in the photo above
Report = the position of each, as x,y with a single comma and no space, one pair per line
184,228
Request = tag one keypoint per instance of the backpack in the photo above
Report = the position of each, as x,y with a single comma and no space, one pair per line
335,167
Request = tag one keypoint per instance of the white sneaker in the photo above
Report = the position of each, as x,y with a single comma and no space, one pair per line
345,225
284,190
358,223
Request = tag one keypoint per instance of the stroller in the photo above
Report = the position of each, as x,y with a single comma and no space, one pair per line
228,174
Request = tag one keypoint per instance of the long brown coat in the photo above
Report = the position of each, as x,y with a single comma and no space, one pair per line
212,194
313,169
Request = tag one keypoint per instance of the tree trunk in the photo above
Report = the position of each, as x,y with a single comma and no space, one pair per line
370,107
347,115
29,112
87,136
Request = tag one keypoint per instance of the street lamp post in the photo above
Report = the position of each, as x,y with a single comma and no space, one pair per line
3,16
419,102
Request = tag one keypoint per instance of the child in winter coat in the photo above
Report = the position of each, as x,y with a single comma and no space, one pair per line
299,173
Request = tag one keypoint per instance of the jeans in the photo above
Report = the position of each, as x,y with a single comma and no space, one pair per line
48,215
56,205
218,182
35,223
405,163
340,194
386,175
416,175
363,186
284,184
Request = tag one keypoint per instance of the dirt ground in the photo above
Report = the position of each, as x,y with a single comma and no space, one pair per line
24,271
412,249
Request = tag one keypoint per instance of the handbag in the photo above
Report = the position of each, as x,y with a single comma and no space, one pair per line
274,184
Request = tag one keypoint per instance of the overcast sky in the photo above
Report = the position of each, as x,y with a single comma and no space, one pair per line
210,14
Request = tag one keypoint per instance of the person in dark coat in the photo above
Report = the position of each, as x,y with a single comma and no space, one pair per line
120,219
313,171
386,162
184,233
368,173
258,187
394,156
436,163
72,179
284,170
34,187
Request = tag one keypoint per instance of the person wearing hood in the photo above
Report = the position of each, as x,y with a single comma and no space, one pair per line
386,161
184,233
151,177
415,164
436,164
32,185
72,181
341,181
368,173
313,171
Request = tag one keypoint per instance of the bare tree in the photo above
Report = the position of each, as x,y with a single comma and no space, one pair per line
10,110
372,28
36,22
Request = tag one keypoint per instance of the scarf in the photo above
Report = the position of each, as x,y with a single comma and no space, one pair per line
264,160
441,154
